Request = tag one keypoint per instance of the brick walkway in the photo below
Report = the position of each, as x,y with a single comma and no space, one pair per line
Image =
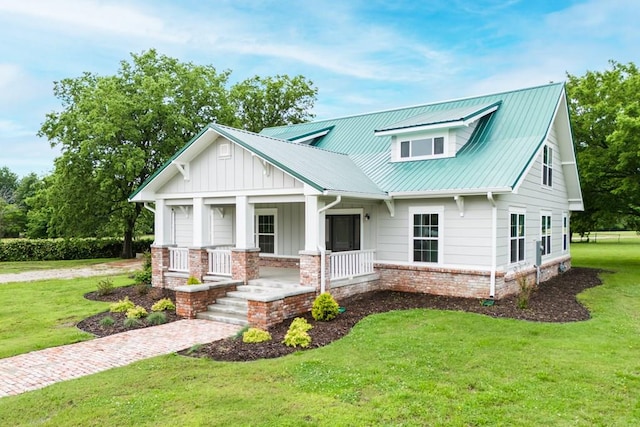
39,369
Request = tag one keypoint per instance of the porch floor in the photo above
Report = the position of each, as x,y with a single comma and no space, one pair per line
278,277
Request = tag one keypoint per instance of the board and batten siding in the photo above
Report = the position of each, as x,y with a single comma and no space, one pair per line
182,227
210,172
467,238
535,199
289,226
223,222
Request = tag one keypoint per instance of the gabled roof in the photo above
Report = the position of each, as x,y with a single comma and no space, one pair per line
350,158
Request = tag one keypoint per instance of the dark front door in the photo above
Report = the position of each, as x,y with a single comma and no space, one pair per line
342,232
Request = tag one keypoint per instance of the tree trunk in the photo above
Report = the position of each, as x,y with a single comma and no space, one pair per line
127,244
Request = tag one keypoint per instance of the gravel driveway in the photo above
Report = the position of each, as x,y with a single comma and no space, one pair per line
109,268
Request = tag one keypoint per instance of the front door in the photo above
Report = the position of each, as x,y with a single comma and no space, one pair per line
342,232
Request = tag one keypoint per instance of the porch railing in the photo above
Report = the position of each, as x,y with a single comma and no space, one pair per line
179,260
351,263
220,261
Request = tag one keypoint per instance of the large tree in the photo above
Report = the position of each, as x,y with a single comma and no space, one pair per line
115,131
8,184
605,112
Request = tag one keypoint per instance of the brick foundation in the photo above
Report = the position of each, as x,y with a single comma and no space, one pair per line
159,265
279,262
265,314
198,263
198,297
245,264
310,269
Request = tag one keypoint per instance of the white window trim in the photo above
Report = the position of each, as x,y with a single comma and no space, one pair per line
427,210
267,211
516,211
173,227
402,138
566,238
550,215
546,146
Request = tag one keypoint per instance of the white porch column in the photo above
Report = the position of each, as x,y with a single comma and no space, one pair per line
201,221
244,223
162,223
314,223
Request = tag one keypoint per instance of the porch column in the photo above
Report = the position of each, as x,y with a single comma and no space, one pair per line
198,257
314,244
161,243
311,270
162,224
245,256
159,265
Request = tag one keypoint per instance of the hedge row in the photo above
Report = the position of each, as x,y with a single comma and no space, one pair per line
50,250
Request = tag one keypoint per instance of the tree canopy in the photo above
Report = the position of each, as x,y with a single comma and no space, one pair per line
605,112
115,131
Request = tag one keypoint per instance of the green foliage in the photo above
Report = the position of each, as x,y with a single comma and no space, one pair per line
526,288
605,116
144,276
325,307
255,335
65,249
131,322
107,321
137,312
193,281
241,332
121,306
298,335
105,287
163,304
157,318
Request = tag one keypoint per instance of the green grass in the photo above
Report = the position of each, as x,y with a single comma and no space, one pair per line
22,266
418,367
37,315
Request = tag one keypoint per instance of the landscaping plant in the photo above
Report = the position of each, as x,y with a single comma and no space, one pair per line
255,335
298,335
105,287
157,318
121,306
193,281
325,307
136,312
163,304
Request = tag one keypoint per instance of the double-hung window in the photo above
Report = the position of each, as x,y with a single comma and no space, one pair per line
545,233
516,236
426,235
565,232
423,147
547,166
266,227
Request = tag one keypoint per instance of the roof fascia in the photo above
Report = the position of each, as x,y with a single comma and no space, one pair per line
448,193
311,135
350,194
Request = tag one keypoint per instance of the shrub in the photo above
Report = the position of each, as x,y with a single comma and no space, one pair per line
131,323
121,306
163,304
526,289
241,332
255,335
193,281
325,307
297,335
143,277
157,318
105,287
142,289
137,312
107,321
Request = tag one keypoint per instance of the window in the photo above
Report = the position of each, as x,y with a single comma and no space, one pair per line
547,166
266,230
426,236
545,233
516,237
565,232
423,147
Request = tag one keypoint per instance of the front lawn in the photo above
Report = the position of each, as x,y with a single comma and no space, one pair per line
417,367
22,266
37,315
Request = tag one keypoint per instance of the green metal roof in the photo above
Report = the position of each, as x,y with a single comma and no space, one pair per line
351,158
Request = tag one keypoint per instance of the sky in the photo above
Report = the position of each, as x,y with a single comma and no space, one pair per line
363,55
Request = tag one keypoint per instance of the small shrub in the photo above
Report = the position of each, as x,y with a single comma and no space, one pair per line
136,312
193,281
131,323
298,335
143,277
255,335
325,307
157,318
156,293
241,332
526,289
107,321
146,260
142,289
105,287
121,306
163,304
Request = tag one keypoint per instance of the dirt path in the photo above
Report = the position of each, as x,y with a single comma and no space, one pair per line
105,269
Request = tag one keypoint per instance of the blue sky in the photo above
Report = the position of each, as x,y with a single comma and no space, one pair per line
362,55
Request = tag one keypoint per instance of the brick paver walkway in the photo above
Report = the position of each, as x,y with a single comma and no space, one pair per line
39,369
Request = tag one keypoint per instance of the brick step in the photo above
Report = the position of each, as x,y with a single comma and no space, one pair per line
233,301
230,318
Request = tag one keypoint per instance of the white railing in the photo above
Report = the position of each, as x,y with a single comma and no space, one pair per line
220,261
351,263
179,259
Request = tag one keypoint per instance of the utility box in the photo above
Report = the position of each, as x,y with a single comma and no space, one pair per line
538,253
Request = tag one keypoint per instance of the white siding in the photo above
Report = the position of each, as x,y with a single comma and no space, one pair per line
183,225
463,134
223,227
369,228
290,226
209,173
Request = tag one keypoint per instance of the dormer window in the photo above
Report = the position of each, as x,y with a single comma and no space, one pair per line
422,147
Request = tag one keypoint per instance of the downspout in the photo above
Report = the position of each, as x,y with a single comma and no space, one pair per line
148,207
494,243
323,250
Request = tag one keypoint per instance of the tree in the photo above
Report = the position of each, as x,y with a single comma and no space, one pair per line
115,131
605,111
273,101
8,184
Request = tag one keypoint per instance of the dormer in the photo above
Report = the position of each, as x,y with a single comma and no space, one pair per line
435,134
311,138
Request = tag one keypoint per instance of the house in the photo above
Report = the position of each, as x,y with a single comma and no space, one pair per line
456,198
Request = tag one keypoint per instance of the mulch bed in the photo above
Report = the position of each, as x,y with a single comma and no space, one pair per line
554,301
